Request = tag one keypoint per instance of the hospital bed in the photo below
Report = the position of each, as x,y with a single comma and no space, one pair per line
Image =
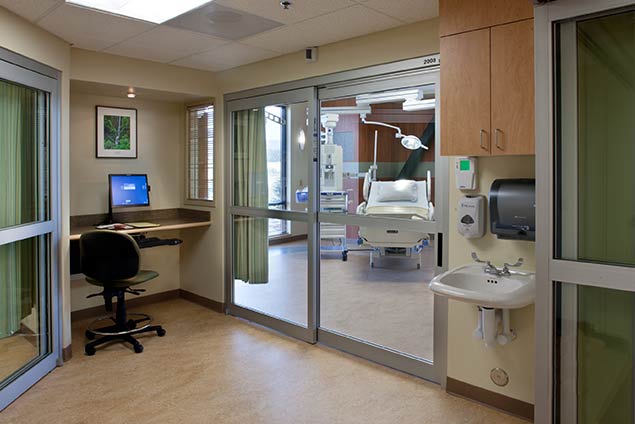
404,199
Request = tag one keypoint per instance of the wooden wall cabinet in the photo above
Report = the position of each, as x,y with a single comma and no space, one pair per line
487,91
458,16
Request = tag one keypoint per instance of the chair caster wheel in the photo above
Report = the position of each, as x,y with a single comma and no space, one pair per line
138,348
90,351
160,332
89,335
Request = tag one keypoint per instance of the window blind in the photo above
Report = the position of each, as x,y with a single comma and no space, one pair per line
200,142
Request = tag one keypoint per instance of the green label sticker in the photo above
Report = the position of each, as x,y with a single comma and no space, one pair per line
465,165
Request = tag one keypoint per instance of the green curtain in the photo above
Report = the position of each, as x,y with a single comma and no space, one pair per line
19,147
251,189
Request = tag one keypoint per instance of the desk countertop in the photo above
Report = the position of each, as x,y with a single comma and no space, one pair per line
169,219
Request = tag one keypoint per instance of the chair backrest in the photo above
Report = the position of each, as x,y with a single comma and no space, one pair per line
108,255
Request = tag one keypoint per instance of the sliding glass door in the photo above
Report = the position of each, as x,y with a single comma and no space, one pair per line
588,245
272,213
29,338
382,222
337,214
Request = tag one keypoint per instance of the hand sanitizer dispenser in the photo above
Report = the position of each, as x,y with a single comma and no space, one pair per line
471,216
465,173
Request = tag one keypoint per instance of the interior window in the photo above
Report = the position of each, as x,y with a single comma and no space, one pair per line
276,131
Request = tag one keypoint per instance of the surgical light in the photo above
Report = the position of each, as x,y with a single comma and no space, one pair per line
411,142
156,11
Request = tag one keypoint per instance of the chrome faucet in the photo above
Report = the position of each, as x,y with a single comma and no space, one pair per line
493,270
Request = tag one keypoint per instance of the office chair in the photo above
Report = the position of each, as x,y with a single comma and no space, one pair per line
111,260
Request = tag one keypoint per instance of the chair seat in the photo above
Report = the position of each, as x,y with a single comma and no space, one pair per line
141,277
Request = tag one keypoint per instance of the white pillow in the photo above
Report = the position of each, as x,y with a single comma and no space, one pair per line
397,191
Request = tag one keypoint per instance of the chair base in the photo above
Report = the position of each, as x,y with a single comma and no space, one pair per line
123,327
127,337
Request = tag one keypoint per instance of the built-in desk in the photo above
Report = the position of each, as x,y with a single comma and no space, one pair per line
169,219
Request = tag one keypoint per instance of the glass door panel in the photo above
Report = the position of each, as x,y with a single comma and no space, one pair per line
594,312
380,295
378,225
24,332
270,275
271,216
28,230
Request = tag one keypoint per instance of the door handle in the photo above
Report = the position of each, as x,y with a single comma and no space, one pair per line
484,147
496,131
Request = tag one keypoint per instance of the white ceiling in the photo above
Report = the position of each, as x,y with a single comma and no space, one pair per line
306,23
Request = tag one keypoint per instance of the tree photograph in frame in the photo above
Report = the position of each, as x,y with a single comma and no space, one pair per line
116,132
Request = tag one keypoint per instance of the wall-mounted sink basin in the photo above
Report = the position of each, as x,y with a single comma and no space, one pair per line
470,283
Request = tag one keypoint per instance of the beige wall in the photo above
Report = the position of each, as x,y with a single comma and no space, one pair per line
160,129
22,37
160,146
468,359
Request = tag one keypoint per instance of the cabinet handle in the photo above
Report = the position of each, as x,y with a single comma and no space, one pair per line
484,147
496,131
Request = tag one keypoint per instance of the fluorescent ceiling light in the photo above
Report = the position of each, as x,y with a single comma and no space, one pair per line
414,105
157,11
389,96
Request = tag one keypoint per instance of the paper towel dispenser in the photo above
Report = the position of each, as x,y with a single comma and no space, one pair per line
512,205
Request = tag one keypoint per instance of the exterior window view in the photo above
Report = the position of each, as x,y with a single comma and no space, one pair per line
281,212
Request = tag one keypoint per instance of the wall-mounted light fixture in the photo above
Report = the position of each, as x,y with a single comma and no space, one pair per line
301,140
131,94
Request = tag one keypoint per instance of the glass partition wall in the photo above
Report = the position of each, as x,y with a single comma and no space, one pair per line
29,342
337,218
589,243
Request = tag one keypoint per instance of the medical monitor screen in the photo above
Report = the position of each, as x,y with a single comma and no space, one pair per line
129,190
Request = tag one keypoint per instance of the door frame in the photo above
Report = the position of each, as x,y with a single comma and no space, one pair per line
411,72
550,271
18,69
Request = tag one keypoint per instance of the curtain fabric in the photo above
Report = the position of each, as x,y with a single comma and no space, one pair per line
19,134
251,188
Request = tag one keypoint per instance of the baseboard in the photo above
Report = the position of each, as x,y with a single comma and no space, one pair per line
153,298
67,353
504,403
203,301
31,337
287,239
130,303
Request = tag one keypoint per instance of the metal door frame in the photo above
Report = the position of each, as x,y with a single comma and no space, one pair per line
17,69
296,330
549,270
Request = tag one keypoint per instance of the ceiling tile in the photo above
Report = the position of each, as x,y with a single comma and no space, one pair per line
165,44
406,10
89,29
226,56
344,24
300,10
223,22
30,9
287,39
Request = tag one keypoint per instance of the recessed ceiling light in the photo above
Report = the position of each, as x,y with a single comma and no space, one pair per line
157,11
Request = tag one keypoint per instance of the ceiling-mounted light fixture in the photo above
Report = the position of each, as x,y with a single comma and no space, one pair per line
156,11
415,105
286,4
410,142
131,94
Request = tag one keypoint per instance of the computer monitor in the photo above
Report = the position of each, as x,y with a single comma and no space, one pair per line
127,190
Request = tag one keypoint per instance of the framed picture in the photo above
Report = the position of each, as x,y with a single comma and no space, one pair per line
116,132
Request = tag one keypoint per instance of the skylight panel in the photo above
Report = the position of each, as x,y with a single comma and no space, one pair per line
156,11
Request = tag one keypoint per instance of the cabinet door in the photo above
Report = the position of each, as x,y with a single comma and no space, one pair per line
459,15
513,88
506,11
465,94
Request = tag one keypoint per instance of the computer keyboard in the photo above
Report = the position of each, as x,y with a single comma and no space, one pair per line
144,243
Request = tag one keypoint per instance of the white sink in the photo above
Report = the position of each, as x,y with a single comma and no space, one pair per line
470,283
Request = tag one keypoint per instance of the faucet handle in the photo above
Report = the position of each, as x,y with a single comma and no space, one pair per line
518,263
476,259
